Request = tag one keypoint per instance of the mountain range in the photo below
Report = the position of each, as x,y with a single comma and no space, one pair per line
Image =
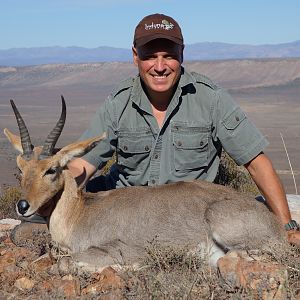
197,51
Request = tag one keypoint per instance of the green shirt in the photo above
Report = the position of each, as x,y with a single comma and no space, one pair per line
201,119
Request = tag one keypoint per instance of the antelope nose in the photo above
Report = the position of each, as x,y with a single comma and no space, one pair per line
22,206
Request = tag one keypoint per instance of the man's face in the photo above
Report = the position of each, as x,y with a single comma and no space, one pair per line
159,64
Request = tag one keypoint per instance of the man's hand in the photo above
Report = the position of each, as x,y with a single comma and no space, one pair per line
268,182
81,170
293,237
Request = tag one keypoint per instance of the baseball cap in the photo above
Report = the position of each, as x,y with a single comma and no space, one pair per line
157,26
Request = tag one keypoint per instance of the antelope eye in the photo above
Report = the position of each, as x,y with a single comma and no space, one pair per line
51,171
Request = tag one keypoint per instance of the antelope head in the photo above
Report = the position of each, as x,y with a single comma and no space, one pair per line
42,167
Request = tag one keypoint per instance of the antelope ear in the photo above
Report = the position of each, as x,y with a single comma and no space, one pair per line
78,149
14,140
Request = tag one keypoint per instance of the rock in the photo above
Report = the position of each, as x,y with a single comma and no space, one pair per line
6,260
7,225
11,222
66,265
68,288
53,270
105,281
26,232
266,280
24,283
41,264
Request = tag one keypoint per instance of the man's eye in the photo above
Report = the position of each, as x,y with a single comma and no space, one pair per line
171,56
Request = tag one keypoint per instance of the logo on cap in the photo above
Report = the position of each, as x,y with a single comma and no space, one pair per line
166,25
157,26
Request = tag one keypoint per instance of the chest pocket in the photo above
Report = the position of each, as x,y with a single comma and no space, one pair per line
133,149
191,146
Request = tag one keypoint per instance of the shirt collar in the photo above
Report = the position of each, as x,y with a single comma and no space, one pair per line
139,97
186,78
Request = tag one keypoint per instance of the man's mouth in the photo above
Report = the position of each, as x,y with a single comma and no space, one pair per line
160,76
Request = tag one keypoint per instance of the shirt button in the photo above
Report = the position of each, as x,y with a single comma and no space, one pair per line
201,143
156,156
125,148
147,148
237,118
153,181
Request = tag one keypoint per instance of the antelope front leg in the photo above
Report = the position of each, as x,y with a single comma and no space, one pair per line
114,253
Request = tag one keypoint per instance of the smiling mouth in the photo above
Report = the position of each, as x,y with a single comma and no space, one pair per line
160,76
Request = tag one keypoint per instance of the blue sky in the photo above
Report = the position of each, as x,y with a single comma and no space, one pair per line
94,23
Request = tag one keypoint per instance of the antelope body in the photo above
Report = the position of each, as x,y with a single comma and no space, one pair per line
107,227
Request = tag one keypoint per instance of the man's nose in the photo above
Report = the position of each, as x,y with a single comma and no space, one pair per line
160,64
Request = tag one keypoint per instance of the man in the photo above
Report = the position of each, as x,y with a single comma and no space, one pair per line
168,124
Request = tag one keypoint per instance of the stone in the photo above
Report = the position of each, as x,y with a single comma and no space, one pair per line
25,232
42,264
7,259
106,281
7,225
10,222
66,265
69,288
24,283
265,280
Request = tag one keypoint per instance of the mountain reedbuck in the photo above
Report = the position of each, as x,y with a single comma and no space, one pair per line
110,227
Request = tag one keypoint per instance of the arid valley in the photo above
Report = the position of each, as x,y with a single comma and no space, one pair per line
267,89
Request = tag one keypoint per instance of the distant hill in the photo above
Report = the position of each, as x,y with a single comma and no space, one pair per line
232,74
198,51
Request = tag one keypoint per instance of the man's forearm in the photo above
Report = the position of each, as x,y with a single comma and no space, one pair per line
268,182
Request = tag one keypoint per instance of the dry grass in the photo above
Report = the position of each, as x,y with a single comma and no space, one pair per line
238,178
8,200
172,273
288,256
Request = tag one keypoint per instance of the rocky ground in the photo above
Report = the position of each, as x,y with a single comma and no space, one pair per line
31,272
35,270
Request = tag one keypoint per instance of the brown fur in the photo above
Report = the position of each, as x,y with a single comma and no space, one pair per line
115,226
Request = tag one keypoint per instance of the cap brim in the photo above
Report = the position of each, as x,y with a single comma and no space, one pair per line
146,39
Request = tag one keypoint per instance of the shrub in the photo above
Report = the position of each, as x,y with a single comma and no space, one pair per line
174,273
8,201
230,174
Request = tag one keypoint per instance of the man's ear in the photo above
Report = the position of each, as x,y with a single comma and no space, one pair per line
135,55
182,48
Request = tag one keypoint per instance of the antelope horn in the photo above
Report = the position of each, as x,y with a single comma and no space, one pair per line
24,134
53,136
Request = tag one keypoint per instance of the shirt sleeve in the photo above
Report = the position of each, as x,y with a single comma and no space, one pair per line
239,137
101,122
